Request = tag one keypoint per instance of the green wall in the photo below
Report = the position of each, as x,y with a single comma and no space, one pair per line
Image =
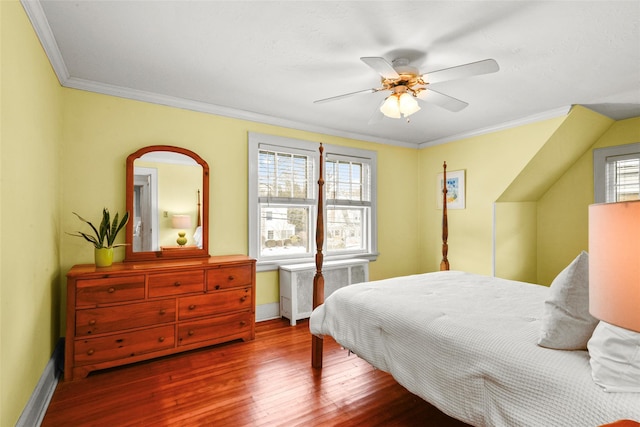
30,139
64,150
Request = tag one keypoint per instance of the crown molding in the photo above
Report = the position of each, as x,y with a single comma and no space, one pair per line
36,15
551,114
218,110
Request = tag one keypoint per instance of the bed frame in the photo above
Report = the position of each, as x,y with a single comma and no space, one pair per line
318,279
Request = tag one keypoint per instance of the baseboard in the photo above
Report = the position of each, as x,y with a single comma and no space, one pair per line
36,407
267,311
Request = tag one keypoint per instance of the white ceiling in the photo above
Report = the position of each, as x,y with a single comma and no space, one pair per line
269,60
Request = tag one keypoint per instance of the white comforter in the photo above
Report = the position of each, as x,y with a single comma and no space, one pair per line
467,344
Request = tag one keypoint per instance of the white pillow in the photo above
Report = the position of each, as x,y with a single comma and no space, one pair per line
566,322
615,358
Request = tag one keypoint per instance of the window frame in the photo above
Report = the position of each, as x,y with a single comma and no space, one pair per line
600,156
257,142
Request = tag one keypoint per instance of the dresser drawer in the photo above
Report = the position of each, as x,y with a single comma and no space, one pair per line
215,329
213,303
176,283
93,321
120,346
108,290
229,277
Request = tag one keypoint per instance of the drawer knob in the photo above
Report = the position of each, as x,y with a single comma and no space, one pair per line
177,284
243,323
163,311
191,332
231,278
243,299
111,290
90,352
161,339
217,287
192,307
92,322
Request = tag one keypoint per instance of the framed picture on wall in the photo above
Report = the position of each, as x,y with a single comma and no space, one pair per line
455,190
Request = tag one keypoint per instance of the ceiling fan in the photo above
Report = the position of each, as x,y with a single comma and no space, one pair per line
407,85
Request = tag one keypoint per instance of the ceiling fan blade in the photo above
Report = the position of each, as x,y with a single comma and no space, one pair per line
377,115
345,95
440,99
461,71
381,66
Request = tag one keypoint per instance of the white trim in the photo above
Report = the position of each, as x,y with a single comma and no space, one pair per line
493,241
267,311
35,409
257,141
600,167
43,30
558,112
41,26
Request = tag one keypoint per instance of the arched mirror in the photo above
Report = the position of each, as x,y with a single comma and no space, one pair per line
168,203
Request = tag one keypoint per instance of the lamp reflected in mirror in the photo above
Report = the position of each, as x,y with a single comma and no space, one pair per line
182,223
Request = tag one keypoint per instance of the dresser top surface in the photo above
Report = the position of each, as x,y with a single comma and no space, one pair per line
164,265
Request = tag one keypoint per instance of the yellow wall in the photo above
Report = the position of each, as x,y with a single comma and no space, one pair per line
30,137
178,187
516,235
523,233
106,130
541,213
563,210
491,162
64,150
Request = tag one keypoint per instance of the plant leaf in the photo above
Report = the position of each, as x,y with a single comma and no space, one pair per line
88,238
107,232
104,226
92,226
116,230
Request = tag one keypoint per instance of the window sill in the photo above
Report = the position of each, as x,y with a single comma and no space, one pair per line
275,264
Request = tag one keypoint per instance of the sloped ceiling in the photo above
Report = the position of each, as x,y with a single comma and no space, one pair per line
575,135
268,61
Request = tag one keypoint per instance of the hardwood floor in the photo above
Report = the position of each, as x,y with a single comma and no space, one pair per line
266,382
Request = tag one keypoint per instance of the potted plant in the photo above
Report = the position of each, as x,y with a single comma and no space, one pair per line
104,236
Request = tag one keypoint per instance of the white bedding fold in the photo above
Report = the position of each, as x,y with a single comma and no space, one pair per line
467,344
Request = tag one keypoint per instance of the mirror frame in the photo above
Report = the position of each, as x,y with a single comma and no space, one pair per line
160,255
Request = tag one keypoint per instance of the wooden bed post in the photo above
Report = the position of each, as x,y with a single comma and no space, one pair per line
444,264
318,279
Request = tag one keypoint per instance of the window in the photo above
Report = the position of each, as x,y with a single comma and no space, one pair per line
348,205
283,191
617,173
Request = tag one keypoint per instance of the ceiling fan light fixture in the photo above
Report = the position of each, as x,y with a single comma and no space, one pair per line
408,104
398,105
390,107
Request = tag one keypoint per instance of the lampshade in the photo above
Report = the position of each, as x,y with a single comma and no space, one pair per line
398,105
614,263
181,222
390,107
408,104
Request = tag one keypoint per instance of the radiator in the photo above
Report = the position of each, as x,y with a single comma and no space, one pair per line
296,284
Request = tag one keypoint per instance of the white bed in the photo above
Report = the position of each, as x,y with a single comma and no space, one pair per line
468,345
487,351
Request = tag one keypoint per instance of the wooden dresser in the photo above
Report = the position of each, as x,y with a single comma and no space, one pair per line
136,311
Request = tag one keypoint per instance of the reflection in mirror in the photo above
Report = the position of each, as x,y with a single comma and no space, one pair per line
155,213
164,189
